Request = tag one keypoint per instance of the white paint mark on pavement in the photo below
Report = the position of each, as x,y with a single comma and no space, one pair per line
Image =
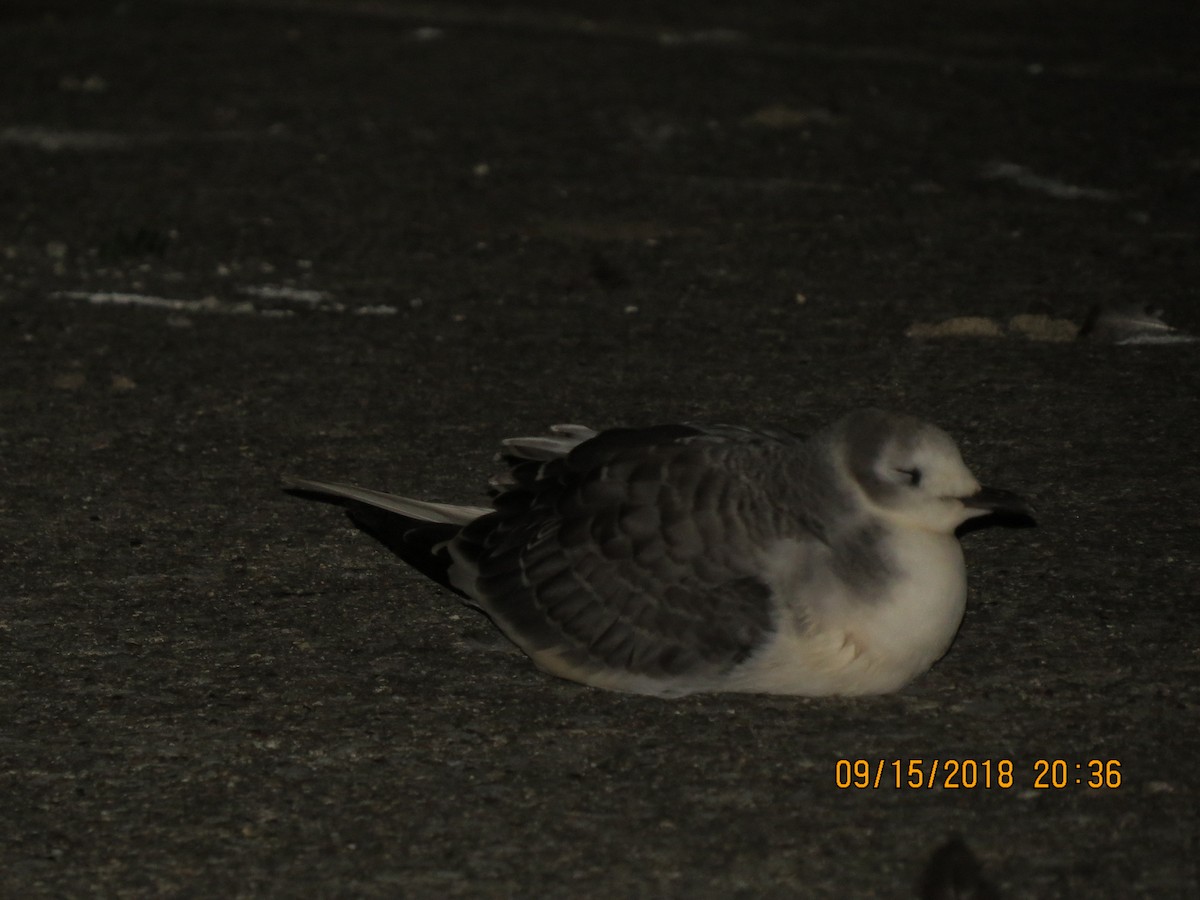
1051,187
115,298
54,140
283,292
316,301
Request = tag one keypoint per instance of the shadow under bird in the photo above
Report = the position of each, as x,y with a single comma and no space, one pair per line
678,559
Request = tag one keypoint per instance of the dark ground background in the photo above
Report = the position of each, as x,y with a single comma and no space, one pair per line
607,212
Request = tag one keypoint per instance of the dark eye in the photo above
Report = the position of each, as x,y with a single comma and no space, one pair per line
914,476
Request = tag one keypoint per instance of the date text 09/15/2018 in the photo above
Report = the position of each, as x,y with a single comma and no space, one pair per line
976,774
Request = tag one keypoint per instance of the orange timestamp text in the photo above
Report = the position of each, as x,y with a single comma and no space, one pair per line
976,774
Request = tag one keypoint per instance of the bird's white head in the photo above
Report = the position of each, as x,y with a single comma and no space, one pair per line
912,472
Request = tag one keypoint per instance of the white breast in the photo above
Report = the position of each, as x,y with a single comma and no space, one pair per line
832,642
910,630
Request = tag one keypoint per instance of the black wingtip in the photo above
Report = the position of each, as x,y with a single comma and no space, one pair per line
420,544
302,487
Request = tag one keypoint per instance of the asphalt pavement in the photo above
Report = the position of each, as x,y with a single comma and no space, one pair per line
367,240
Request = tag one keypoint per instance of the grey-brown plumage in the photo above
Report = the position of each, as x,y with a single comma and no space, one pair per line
681,558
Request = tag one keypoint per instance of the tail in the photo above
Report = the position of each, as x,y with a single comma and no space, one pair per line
415,530
420,532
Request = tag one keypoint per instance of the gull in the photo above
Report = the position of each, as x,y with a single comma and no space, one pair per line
678,559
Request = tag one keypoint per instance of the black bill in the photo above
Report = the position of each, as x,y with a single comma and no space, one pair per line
998,501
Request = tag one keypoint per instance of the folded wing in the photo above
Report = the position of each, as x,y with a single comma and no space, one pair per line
629,559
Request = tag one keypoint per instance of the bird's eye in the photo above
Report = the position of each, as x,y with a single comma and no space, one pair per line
914,476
